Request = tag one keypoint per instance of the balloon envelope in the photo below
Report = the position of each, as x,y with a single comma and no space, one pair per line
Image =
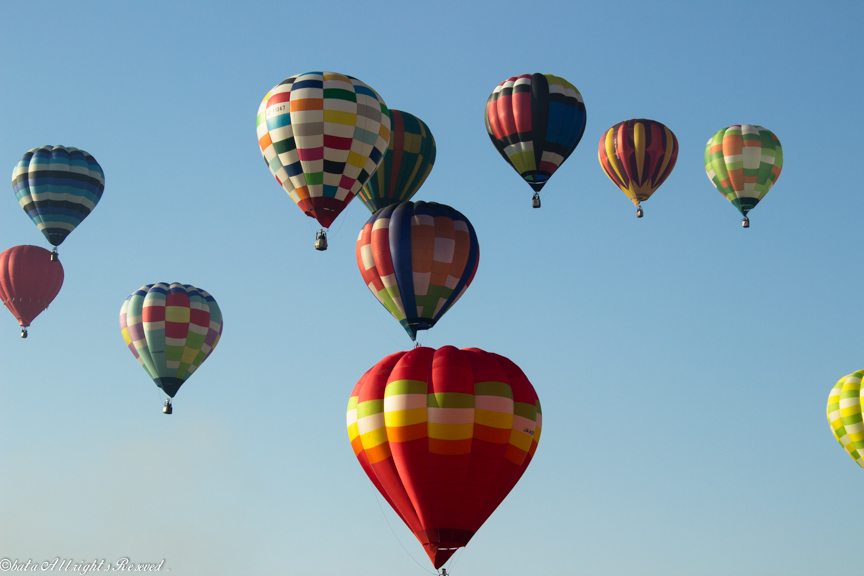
57,187
535,122
29,281
844,415
417,259
406,165
170,330
638,155
743,162
322,134
444,435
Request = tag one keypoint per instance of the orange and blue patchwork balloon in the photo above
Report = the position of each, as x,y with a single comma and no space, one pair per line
417,259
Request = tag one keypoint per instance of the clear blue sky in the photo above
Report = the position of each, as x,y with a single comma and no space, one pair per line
683,363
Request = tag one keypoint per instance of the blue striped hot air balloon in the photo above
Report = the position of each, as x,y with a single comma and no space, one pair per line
57,187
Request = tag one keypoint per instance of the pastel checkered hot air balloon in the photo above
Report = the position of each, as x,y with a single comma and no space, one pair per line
29,281
743,162
638,155
535,122
57,186
417,259
844,415
323,135
444,435
171,330
406,164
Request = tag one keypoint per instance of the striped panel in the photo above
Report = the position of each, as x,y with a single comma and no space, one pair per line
844,415
444,435
638,155
323,135
535,121
57,187
406,164
743,162
171,330
417,259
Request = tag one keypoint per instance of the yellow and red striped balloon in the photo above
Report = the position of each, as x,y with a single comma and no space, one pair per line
638,155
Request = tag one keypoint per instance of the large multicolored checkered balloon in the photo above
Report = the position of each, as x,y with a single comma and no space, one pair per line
418,259
535,122
444,435
57,187
638,155
743,162
844,415
407,162
171,330
323,135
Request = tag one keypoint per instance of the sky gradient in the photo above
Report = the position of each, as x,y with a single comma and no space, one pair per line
683,363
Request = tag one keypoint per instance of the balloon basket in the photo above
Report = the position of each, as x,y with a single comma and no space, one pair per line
23,333
54,256
639,212
321,240
535,201
745,223
168,408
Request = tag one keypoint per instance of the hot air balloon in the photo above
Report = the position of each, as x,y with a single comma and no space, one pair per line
743,162
844,415
407,162
638,155
444,435
535,122
323,135
171,330
57,187
417,259
29,281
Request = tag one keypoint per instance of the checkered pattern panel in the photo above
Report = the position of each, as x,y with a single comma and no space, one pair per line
743,162
323,135
170,329
844,415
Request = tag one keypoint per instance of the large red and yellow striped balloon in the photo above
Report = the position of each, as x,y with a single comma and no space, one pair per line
638,155
444,435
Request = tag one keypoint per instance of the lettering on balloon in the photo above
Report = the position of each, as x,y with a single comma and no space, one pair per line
276,110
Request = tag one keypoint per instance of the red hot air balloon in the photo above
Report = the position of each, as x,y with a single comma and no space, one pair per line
29,281
444,435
